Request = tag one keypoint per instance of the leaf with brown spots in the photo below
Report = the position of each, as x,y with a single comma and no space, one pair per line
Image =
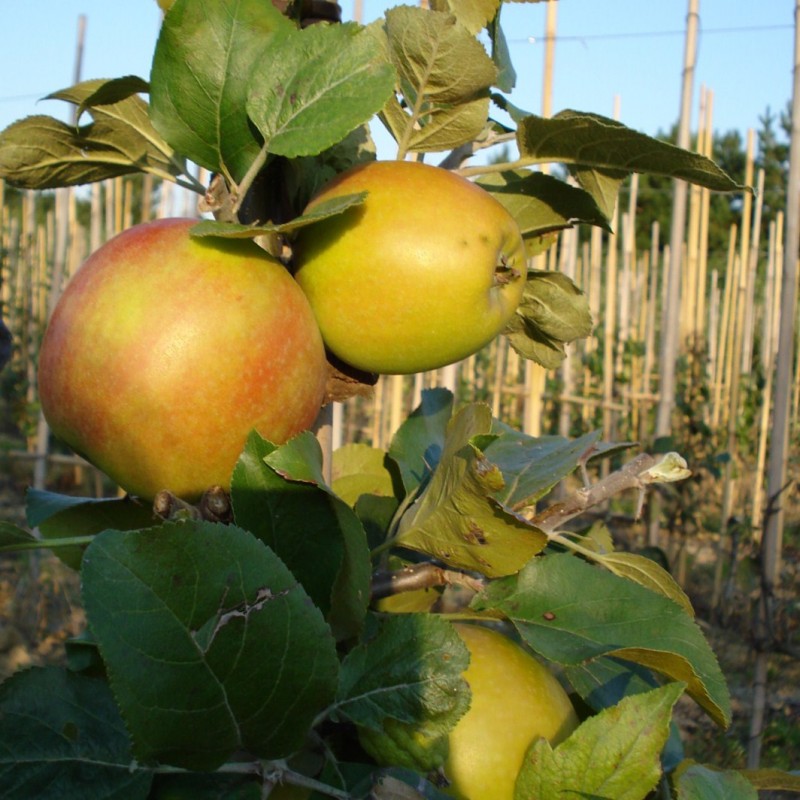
457,518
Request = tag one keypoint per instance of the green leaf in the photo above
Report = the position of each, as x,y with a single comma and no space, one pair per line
553,313
121,116
603,682
360,469
12,536
233,230
591,140
41,152
506,75
62,516
59,516
647,573
205,57
210,643
614,754
417,444
411,671
316,85
444,76
376,515
698,782
532,466
472,14
601,184
541,203
457,518
63,739
774,779
279,495
571,612
102,92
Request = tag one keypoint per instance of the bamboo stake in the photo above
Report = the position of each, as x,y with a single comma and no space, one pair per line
595,266
610,327
752,269
689,326
713,330
568,267
722,359
396,390
705,213
670,321
534,375
736,363
652,304
499,362
772,541
772,304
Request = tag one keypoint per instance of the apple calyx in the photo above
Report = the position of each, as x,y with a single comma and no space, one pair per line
504,274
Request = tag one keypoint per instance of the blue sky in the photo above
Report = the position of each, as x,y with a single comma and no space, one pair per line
626,49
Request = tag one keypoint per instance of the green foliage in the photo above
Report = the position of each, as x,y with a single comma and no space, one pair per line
222,658
218,642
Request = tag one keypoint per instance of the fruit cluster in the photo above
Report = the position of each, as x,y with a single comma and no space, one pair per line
166,350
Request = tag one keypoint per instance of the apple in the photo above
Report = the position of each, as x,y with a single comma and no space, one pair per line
165,351
425,272
515,699
165,5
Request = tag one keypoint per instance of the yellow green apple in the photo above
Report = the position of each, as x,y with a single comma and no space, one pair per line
165,351
425,272
515,699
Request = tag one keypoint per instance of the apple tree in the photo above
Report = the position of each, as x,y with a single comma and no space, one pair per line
295,632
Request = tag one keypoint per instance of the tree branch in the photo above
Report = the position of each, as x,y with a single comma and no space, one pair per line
637,474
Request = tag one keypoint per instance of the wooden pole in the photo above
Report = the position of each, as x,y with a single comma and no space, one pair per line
62,244
772,301
772,539
670,330
534,374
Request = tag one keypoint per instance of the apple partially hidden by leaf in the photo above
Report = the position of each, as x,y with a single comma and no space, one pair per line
429,269
515,700
165,351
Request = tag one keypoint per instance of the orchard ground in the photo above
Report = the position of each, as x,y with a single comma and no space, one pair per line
40,610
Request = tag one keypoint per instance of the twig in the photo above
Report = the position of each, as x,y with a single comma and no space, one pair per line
637,474
419,576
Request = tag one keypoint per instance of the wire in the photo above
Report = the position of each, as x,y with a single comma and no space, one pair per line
648,34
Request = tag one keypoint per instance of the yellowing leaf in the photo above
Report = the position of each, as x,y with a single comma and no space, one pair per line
614,754
645,572
360,469
457,518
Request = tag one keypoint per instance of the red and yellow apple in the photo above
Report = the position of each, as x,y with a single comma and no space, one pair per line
165,351
425,272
